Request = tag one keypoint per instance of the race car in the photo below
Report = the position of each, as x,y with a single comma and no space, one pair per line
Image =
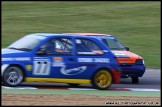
131,64
63,58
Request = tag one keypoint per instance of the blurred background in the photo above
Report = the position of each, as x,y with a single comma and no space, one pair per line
134,24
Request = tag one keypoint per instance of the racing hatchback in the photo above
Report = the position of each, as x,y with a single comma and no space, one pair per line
64,58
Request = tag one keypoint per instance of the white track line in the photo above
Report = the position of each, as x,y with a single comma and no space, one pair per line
18,87
142,89
120,89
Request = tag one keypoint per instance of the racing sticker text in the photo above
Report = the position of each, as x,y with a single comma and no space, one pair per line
41,67
99,60
73,71
16,59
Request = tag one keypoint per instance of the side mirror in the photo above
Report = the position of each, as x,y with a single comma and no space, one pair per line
127,48
41,52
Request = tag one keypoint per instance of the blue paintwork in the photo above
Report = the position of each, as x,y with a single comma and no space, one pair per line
133,70
9,56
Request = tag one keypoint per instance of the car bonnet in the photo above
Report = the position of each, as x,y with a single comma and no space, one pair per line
126,56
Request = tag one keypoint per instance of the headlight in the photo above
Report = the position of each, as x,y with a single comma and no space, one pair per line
143,62
139,62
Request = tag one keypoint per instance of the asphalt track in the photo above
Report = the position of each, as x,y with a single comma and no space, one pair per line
151,80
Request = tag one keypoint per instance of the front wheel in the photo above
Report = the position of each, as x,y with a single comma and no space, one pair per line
102,80
13,76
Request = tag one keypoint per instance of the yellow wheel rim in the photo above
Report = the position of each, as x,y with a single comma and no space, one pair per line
103,79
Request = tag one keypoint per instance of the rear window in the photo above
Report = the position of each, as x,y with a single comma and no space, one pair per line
87,47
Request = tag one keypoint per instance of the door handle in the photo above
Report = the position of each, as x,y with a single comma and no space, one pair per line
71,59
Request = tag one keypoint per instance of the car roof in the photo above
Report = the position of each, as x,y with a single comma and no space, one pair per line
88,34
47,34
93,35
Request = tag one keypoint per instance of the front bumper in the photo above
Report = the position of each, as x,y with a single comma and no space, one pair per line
132,70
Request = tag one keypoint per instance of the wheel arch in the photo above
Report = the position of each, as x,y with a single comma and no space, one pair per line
19,66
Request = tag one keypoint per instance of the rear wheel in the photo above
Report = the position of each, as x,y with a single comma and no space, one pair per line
102,79
135,80
13,76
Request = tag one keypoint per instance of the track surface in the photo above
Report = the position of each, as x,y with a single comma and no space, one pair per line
150,80
149,86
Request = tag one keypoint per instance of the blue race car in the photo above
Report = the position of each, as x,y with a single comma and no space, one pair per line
63,58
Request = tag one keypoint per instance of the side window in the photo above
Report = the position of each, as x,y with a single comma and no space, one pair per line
87,47
113,44
58,46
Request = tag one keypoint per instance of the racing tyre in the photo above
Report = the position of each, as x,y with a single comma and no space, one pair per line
102,79
135,80
13,76
73,84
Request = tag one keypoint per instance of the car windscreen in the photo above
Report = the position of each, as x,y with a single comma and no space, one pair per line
112,43
26,43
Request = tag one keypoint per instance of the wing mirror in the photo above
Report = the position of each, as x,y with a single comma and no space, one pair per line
127,48
41,52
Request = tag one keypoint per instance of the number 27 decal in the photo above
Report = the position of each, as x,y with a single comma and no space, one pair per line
41,67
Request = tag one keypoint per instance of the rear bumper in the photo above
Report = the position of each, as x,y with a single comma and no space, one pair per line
132,71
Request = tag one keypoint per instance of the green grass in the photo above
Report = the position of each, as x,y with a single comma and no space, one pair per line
135,24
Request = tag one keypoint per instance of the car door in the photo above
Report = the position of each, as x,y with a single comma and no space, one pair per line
58,60
89,55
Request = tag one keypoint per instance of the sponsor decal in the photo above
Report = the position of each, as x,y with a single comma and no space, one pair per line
41,66
29,67
85,60
98,60
87,53
16,59
41,58
120,54
73,71
105,60
58,62
7,59
57,59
